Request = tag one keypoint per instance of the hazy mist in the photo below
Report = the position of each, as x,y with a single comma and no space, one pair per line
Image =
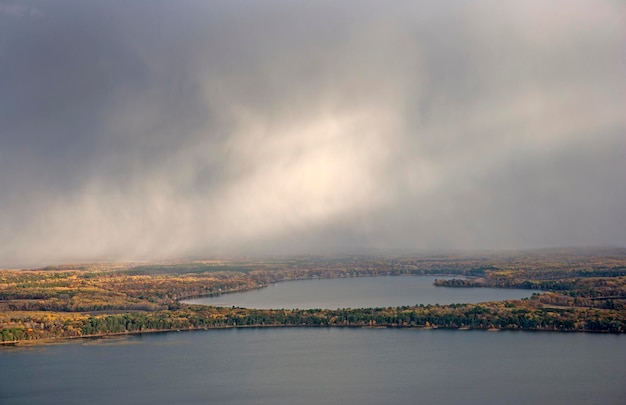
156,129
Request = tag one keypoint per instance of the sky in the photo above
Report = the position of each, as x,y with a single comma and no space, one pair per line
147,130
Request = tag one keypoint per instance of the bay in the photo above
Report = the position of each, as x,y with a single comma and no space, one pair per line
359,292
321,365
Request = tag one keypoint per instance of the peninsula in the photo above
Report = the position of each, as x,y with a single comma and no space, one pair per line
580,290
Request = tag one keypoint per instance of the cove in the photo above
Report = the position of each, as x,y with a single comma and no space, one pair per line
359,292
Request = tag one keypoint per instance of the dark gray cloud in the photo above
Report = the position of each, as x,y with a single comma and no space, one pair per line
134,130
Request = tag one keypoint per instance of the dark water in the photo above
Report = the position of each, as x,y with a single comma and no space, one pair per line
359,292
321,366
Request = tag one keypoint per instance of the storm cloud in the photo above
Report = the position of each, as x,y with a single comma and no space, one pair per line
145,130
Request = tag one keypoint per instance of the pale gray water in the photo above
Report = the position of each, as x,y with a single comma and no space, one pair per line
359,292
326,366
321,366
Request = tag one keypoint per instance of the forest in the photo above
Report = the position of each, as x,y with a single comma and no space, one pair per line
577,290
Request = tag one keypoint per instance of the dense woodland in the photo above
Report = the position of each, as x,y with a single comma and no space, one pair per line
578,290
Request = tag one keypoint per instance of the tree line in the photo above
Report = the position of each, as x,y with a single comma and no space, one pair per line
507,315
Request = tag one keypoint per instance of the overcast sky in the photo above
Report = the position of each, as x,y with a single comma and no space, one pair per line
155,129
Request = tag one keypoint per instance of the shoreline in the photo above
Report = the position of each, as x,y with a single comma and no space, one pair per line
41,307
104,336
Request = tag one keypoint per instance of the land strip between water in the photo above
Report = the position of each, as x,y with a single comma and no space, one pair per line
582,290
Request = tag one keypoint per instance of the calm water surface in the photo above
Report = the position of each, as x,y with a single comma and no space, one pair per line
359,292
321,366
326,366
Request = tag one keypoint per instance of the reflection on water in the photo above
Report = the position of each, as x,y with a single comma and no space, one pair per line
110,341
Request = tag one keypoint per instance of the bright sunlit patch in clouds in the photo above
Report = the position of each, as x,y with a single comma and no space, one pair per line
305,173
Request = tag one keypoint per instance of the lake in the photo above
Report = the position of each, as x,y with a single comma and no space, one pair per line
325,365
359,292
321,366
